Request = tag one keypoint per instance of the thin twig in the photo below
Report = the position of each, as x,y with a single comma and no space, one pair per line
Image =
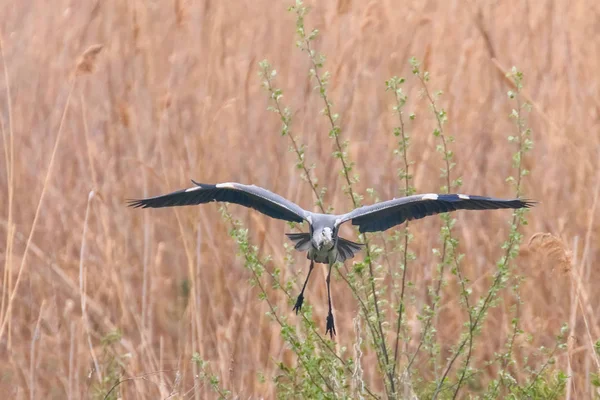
400,101
83,285
335,133
286,120
133,378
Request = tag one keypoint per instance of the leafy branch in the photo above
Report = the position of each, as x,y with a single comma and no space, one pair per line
268,74
394,85
317,62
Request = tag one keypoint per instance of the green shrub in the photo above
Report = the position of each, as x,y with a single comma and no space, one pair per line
322,371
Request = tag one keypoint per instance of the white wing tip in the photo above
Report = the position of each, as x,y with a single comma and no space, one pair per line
463,197
430,196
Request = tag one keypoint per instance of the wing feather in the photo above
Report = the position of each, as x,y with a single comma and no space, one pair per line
384,215
251,196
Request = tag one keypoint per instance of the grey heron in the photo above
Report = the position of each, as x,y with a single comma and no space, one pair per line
322,243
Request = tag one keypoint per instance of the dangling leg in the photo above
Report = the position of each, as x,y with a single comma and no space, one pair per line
300,298
330,325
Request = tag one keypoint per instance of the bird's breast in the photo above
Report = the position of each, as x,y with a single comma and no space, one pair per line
321,256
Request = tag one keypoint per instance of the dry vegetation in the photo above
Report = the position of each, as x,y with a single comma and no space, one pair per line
174,94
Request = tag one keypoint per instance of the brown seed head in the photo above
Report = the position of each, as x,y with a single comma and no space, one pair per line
552,249
87,61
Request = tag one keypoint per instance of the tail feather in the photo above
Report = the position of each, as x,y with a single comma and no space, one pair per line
346,249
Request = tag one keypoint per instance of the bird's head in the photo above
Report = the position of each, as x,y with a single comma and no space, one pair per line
323,239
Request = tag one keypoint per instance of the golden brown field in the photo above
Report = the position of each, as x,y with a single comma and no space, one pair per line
174,94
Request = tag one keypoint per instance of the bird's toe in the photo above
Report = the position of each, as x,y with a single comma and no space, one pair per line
298,305
330,326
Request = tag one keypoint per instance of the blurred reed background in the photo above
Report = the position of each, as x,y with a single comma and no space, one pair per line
175,95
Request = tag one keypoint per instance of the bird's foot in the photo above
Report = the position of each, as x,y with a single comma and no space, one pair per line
299,302
330,325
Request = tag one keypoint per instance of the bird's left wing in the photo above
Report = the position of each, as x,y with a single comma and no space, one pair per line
251,196
381,216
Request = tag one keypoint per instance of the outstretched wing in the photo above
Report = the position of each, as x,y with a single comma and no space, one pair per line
381,216
260,199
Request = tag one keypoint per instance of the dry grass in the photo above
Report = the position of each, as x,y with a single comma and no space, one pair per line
174,95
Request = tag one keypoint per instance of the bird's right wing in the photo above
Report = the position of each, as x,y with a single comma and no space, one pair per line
381,216
251,196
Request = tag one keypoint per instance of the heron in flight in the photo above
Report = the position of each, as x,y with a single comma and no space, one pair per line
322,243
